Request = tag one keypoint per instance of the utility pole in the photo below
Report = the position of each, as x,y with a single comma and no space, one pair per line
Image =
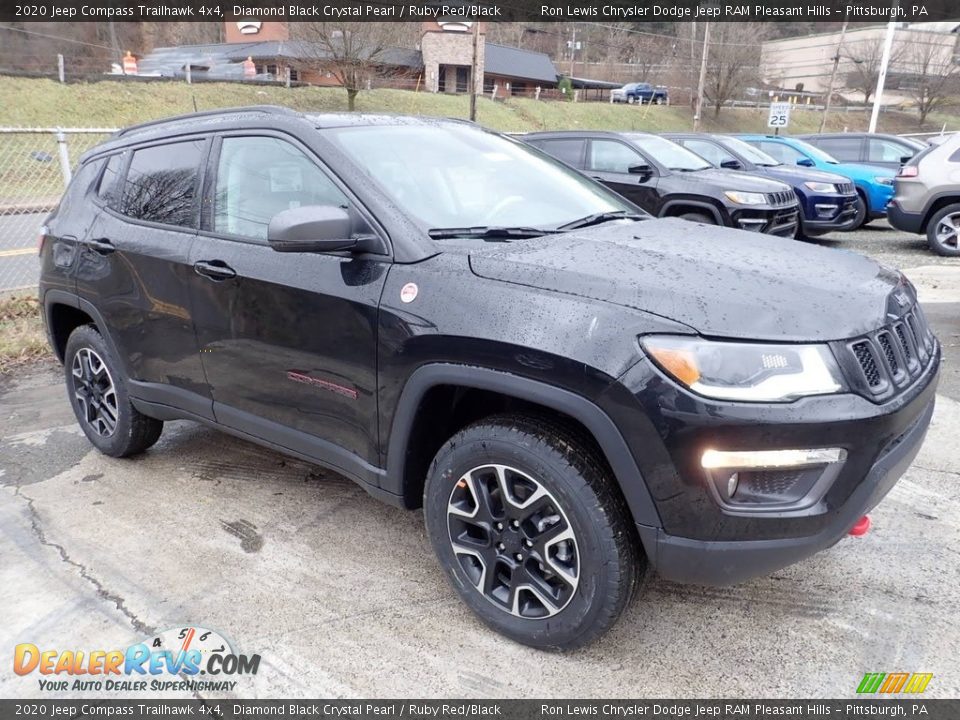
703,76
573,48
833,75
475,75
882,76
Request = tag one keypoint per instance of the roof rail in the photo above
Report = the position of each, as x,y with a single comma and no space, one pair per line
267,109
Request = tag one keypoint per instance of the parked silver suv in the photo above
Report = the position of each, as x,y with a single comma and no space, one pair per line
927,196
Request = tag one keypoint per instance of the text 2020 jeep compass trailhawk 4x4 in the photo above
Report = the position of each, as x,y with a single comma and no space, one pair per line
455,320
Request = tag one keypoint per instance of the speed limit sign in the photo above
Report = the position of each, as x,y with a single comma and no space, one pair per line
779,115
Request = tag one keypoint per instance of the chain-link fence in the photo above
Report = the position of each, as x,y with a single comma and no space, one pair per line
35,165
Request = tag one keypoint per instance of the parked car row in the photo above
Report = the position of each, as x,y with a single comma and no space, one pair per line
764,183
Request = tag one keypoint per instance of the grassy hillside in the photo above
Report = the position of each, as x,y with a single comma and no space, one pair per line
36,102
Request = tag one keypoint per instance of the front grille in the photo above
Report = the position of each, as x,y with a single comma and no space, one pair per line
845,188
785,197
887,360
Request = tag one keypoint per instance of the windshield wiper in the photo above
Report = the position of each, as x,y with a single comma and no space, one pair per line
602,217
488,231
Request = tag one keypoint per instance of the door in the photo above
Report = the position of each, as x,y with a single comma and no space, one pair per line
610,161
134,269
288,339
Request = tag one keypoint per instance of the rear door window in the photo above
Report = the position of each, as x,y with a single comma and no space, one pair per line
844,149
161,184
568,150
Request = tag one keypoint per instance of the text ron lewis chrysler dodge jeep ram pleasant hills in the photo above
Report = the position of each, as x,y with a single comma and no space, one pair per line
570,389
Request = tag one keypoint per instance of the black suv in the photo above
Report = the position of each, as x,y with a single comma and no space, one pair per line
454,320
667,180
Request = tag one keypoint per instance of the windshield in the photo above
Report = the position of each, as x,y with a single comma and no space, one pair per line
667,153
748,151
457,176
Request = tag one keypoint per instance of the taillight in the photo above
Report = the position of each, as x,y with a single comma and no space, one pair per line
40,236
909,171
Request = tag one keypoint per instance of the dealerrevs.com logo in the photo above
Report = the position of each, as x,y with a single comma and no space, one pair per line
173,660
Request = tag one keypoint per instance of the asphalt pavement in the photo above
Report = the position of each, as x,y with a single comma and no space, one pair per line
341,596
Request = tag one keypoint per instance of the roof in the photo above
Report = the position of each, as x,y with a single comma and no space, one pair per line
589,84
517,63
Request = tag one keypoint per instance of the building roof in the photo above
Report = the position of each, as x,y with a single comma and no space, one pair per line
517,63
224,60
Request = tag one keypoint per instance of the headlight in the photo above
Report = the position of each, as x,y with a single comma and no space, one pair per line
748,372
746,198
884,180
821,187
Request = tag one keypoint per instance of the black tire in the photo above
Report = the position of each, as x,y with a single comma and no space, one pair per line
940,240
102,396
698,217
860,219
580,495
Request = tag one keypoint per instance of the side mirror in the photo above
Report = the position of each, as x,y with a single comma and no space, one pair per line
642,169
731,165
805,162
312,228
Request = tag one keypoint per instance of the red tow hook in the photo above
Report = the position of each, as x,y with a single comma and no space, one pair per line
860,527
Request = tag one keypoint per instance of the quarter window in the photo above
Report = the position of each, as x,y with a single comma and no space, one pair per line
258,177
161,183
110,187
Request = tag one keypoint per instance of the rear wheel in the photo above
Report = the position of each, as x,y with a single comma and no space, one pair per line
526,519
943,231
98,395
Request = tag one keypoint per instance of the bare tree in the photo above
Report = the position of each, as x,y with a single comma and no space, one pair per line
353,52
864,58
931,75
733,62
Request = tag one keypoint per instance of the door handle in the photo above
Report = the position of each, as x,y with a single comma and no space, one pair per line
101,246
214,269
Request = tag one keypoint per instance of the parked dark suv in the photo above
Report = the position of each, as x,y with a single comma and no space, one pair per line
456,321
667,180
827,202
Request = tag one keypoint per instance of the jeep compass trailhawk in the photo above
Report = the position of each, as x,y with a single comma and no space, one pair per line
456,321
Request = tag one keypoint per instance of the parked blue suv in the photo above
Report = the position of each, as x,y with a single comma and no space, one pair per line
828,202
874,184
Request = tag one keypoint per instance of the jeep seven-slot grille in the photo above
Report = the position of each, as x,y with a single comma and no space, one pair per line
785,197
888,359
845,188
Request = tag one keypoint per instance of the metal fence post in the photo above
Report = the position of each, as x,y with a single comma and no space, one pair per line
60,69
64,157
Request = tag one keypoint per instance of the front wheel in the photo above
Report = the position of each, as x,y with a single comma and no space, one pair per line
860,219
532,530
943,231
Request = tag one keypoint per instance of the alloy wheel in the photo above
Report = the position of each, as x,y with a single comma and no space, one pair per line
513,541
95,393
948,231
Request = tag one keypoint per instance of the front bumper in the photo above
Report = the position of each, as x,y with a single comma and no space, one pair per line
779,221
727,562
828,213
701,540
902,220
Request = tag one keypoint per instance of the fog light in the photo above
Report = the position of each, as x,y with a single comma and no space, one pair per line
719,459
732,484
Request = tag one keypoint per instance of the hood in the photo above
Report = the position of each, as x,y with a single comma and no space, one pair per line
718,281
797,175
736,180
859,172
